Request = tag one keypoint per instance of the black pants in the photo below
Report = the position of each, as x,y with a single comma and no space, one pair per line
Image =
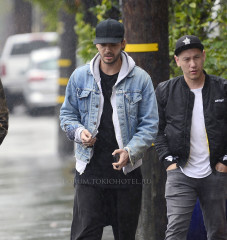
95,208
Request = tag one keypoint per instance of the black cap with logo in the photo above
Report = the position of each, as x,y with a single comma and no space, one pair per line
109,31
187,42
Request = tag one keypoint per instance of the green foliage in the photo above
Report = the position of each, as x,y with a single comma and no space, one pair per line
185,17
199,18
51,9
196,17
86,34
100,10
70,5
50,12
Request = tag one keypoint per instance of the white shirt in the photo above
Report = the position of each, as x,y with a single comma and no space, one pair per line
198,165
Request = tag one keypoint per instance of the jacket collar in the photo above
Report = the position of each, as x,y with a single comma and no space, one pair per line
127,66
206,83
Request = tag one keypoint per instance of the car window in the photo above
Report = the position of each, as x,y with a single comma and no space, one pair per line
48,65
26,48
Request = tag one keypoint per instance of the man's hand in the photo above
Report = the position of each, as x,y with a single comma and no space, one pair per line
172,167
87,139
124,157
220,167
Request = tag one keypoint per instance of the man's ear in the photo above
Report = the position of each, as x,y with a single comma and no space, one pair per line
123,44
177,60
204,55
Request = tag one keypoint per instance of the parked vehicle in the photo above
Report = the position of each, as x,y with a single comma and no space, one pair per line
41,84
15,60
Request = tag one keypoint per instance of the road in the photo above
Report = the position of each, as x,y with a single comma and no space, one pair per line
36,186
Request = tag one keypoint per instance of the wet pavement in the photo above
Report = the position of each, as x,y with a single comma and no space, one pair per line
36,187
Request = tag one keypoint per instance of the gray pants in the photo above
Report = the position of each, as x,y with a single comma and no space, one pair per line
181,196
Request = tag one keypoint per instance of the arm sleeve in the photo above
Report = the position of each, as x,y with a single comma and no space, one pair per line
147,126
70,120
224,158
161,144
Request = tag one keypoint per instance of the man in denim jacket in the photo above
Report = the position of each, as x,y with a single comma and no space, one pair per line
110,111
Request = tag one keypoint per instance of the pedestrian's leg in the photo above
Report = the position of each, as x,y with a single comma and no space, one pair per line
213,204
180,199
88,213
126,215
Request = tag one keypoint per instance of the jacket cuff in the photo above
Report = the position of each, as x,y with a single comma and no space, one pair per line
223,160
77,137
130,160
169,160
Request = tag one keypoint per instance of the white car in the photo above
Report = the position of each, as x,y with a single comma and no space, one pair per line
15,60
41,85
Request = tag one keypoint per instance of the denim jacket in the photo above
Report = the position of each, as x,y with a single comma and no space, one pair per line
135,114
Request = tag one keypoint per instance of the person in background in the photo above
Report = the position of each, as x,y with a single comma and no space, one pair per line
110,111
192,143
3,114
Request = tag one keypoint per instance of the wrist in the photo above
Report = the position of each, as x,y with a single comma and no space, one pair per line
169,160
223,160
126,149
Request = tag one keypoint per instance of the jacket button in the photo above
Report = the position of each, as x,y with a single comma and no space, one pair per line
94,123
96,106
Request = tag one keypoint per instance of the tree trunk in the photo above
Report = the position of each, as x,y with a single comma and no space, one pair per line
67,64
145,22
22,16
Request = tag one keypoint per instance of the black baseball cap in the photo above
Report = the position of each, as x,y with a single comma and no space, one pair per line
187,42
109,31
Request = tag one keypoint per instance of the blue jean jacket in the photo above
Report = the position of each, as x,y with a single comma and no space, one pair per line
135,114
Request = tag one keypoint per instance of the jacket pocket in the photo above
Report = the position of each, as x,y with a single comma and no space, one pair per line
83,99
220,108
132,102
82,153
